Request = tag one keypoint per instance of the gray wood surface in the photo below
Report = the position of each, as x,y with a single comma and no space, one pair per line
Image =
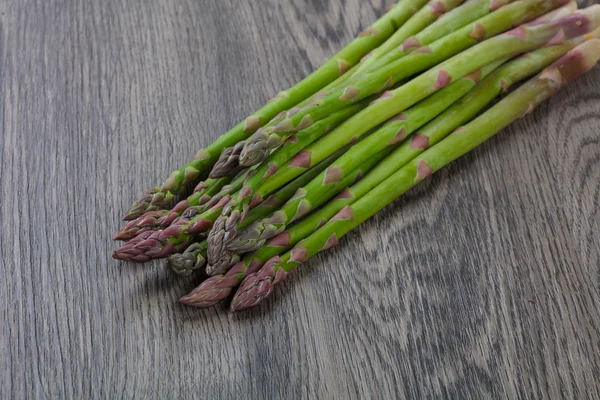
483,282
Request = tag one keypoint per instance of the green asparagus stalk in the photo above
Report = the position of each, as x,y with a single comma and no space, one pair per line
229,160
257,286
293,145
452,21
181,233
421,19
367,40
274,133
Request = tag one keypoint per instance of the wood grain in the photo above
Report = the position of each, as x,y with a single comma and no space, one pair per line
483,282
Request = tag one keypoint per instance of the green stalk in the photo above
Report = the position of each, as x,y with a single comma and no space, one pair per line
470,11
424,17
274,133
229,160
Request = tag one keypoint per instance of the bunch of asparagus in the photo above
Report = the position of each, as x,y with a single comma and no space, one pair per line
410,95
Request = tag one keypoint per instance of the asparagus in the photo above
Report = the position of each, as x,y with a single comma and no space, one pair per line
293,145
325,186
202,198
421,19
212,290
218,287
181,233
367,40
274,133
267,207
537,34
257,286
404,43
191,260
454,20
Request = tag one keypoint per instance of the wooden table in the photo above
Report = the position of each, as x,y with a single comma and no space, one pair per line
482,282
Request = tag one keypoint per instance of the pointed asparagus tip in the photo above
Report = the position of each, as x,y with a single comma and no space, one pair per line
229,162
253,291
185,264
136,210
155,199
226,260
258,147
224,230
122,235
209,293
246,241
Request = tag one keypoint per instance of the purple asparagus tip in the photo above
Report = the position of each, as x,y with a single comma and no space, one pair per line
226,260
154,199
210,292
147,221
229,162
128,252
253,291
259,285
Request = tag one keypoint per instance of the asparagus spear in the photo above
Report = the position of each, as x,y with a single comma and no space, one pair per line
367,40
274,133
293,145
421,19
229,160
181,233
257,286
